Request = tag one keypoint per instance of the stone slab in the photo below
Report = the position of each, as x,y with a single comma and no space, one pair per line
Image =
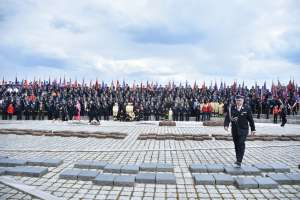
104,179
35,171
166,178
250,170
98,164
35,161
281,178
124,180
198,168
7,162
130,169
149,167
87,175
246,183
71,174
52,162
223,179
164,167
14,171
112,168
204,179
27,171
280,167
234,170
145,178
295,177
83,164
2,172
215,168
264,167
266,183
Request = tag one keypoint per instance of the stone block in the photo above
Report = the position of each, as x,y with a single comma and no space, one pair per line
281,178
246,183
204,179
112,168
223,179
130,169
145,178
266,183
166,178
71,174
87,175
149,167
198,168
124,180
104,179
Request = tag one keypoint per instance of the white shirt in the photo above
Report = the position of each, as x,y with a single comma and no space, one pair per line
239,108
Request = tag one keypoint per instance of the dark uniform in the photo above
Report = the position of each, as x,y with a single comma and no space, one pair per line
283,115
93,111
240,121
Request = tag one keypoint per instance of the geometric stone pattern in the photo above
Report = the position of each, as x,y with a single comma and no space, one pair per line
179,153
128,169
256,169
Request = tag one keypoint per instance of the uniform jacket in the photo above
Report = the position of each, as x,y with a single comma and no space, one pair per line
244,118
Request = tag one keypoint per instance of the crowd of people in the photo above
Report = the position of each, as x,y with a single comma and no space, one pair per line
70,101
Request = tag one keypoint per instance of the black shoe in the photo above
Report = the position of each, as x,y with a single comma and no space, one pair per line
237,165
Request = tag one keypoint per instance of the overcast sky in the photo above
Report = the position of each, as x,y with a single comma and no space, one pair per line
155,40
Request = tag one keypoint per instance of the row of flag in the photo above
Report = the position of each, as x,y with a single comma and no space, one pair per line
276,90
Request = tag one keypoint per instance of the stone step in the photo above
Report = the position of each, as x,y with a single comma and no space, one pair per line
156,167
223,179
71,174
90,164
281,178
246,183
204,179
87,175
8,162
295,177
26,171
266,183
255,169
46,162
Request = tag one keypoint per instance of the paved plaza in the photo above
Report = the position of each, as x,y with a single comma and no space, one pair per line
129,168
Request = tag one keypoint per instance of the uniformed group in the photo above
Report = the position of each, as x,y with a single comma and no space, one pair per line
179,103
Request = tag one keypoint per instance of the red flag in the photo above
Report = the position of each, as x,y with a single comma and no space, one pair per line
97,84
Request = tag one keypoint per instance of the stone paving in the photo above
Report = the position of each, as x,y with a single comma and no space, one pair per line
130,152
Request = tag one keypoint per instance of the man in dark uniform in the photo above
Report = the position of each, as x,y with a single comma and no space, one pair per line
27,110
19,109
71,110
240,117
93,111
283,115
4,109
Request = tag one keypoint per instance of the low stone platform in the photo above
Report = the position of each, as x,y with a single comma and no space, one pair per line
167,123
26,171
65,133
42,161
244,170
118,179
